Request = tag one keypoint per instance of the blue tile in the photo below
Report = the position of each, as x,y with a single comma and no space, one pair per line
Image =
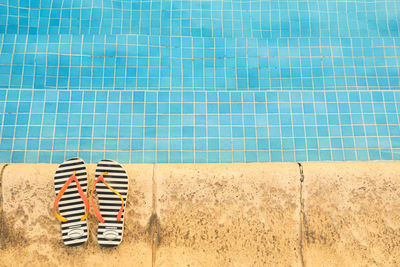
223,90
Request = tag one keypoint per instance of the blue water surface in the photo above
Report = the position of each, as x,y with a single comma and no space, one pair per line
199,81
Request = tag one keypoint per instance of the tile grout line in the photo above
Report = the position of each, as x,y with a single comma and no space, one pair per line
301,216
1,205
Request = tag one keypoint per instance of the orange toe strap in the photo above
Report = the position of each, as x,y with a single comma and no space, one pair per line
96,210
61,193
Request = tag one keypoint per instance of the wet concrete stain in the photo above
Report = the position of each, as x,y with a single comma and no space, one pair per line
32,235
351,212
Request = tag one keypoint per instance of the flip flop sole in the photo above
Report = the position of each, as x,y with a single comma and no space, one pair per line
74,231
110,233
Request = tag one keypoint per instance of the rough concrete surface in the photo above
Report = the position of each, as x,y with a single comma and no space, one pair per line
352,214
31,235
228,214
342,214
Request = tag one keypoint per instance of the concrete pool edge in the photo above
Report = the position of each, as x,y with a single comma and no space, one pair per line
220,214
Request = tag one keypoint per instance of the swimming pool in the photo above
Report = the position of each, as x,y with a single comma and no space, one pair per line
199,81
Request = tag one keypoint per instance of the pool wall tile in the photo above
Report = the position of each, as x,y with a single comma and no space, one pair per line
296,126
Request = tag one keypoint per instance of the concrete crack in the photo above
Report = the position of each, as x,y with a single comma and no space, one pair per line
302,217
154,225
1,206
154,230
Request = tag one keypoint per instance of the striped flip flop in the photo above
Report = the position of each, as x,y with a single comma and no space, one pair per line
71,201
112,189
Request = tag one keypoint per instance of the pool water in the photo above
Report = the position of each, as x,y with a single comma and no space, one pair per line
199,81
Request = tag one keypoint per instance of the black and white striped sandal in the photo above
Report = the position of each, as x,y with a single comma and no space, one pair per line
71,201
112,193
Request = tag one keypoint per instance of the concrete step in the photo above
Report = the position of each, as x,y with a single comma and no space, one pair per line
260,214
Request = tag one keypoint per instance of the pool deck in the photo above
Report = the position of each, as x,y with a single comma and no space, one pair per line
254,214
